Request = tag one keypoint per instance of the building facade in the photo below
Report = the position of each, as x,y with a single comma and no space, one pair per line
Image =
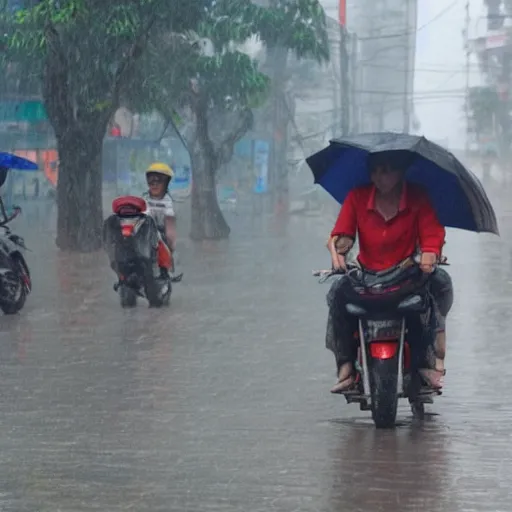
386,41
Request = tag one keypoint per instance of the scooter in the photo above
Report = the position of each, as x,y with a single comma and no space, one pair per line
131,239
15,280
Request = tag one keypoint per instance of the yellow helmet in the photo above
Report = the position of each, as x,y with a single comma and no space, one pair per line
160,168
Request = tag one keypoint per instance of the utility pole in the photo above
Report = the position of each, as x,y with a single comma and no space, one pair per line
407,64
354,72
345,83
468,56
344,69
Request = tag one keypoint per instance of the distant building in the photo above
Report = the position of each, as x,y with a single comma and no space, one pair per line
386,33
493,49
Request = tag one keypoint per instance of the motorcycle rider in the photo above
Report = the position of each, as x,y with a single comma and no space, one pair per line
160,207
392,219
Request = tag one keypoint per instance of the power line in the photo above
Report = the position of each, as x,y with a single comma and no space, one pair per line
423,70
439,16
421,93
425,25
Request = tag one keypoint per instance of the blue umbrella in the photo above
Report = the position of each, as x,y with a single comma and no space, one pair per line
455,192
10,161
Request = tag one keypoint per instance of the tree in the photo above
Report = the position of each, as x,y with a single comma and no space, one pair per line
216,86
84,52
484,107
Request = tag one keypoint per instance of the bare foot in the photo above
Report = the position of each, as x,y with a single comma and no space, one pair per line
434,377
345,379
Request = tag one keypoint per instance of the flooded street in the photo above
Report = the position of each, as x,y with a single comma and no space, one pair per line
222,403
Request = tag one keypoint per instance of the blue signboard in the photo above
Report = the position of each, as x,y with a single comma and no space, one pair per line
182,178
261,160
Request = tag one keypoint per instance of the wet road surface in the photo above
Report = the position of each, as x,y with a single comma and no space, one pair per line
221,402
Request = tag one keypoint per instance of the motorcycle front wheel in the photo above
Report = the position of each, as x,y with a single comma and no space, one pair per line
14,291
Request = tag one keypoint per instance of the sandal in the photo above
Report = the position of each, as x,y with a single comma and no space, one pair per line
433,377
344,385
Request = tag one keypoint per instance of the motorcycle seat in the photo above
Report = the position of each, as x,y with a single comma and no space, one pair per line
129,206
411,304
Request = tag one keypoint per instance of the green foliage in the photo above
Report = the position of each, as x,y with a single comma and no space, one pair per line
92,44
298,25
233,77
229,78
143,53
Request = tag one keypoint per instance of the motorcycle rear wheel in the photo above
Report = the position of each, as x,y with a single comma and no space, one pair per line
384,399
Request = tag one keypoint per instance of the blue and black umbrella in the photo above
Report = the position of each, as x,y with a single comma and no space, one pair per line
9,161
455,192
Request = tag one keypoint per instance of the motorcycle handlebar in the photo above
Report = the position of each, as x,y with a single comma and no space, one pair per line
324,275
16,211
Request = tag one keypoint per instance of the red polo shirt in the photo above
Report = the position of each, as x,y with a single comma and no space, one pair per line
383,244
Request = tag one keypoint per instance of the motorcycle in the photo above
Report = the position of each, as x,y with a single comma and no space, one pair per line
131,239
15,279
395,328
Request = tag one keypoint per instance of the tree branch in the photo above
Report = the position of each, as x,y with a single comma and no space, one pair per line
225,149
131,56
55,81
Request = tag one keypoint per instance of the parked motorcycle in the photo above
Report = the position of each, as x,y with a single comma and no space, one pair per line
15,280
392,307
131,240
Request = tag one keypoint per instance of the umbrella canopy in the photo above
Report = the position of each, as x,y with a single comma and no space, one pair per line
455,192
11,161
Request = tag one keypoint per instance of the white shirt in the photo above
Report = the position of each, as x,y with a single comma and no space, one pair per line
159,209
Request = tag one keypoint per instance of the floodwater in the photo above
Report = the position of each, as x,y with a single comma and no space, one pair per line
221,402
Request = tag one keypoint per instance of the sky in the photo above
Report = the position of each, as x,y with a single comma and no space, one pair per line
440,69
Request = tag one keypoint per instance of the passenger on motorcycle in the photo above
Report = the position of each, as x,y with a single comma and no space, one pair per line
160,207
393,219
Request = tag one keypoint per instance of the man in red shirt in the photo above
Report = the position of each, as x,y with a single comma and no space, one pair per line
392,219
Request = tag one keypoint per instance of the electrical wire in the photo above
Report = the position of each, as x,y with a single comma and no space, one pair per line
438,16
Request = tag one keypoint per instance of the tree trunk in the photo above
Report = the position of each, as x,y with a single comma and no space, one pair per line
79,134
278,56
207,219
79,189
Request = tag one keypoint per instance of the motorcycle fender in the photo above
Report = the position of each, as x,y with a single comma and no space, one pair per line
142,243
383,349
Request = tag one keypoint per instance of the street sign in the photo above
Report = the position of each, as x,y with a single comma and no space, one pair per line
22,111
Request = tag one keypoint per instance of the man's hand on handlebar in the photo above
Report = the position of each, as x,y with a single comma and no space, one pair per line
338,248
339,262
428,261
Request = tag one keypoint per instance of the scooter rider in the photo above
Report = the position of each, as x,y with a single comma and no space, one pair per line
160,207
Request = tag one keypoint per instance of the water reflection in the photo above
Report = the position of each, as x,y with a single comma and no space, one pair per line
404,469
